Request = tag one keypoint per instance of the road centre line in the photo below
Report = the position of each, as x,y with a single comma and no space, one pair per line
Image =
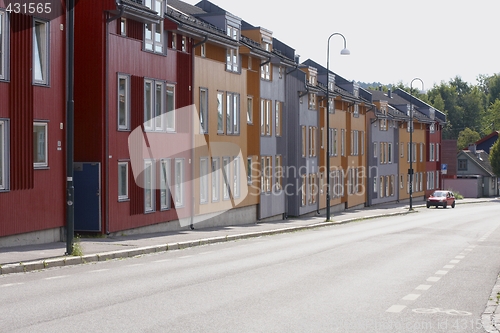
411,297
440,272
454,261
433,279
57,277
396,308
460,257
423,287
11,284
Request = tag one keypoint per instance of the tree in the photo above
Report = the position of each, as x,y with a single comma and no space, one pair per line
495,158
491,118
467,136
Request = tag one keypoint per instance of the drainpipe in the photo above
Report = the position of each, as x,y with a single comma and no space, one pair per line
106,122
70,135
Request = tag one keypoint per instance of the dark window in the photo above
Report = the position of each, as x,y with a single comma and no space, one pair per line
462,165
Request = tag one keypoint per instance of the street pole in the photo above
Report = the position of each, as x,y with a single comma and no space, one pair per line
411,140
345,51
70,190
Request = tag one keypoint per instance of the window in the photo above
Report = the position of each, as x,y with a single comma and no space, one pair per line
312,141
232,113
249,110
149,192
431,152
278,108
331,104
437,152
40,145
375,150
432,128
362,142
41,52
236,177
265,72
170,108
303,189
265,117
225,177
389,152
249,170
122,181
304,140
220,112
3,155
381,186
203,110
437,179
232,57
269,168
266,173
123,102
215,179
203,180
174,41
462,165
312,101
421,151
335,142
153,32
342,143
355,142
123,26
184,44
402,150
179,182
356,111
203,50
409,152
4,52
153,105
279,173
164,184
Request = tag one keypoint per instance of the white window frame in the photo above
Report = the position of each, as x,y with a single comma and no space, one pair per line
123,102
249,110
123,190
154,106
179,182
41,52
236,177
203,110
232,60
437,152
4,45
226,169
204,180
342,143
220,112
278,116
149,190
165,175
431,152
232,113
389,152
216,170
249,170
154,35
37,146
4,154
170,117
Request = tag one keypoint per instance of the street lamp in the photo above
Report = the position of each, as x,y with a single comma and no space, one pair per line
344,51
410,171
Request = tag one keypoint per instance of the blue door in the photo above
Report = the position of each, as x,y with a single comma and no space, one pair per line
87,182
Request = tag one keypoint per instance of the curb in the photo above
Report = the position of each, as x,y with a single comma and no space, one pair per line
24,267
490,319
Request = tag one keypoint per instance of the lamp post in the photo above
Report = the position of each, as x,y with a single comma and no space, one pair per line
344,51
410,171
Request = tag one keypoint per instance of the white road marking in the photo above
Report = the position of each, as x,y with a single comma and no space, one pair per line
11,284
163,260
184,257
396,308
411,297
433,279
459,257
423,287
202,253
454,261
57,277
99,270
441,272
448,266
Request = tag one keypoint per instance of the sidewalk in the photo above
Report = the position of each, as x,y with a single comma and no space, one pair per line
36,257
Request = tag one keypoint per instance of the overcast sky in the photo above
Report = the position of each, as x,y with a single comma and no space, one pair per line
390,41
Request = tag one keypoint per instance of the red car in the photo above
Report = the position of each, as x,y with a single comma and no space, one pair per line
441,198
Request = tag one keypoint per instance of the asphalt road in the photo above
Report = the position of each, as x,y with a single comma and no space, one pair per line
432,271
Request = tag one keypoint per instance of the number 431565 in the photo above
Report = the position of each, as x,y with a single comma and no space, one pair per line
29,8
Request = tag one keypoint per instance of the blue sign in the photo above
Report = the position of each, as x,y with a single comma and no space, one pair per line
444,169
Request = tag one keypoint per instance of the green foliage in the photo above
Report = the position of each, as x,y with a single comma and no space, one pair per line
77,248
466,137
495,158
457,195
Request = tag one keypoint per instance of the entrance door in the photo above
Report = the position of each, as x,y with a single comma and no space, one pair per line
87,182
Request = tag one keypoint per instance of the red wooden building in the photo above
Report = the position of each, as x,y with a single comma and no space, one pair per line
132,81
32,125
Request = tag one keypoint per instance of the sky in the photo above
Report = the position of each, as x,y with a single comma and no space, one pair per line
390,41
